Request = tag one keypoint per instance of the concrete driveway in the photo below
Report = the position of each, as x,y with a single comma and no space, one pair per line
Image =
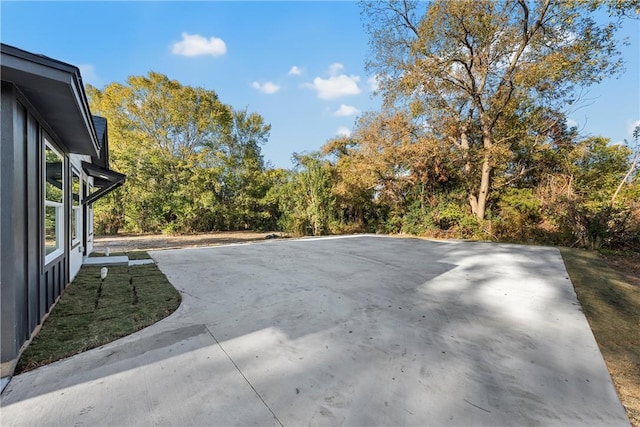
356,331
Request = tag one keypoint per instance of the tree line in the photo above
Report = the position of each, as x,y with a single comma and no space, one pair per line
472,140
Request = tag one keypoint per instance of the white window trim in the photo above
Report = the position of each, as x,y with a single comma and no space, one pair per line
89,224
76,211
60,220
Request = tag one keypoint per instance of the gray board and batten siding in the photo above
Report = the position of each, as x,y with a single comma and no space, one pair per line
43,99
29,288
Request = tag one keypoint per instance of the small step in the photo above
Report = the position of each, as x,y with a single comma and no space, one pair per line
106,260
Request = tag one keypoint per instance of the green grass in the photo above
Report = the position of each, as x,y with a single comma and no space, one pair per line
88,316
612,307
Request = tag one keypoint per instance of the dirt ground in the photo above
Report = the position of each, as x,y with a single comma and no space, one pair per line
131,242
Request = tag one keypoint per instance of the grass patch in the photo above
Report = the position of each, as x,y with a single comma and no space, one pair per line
89,315
137,255
611,304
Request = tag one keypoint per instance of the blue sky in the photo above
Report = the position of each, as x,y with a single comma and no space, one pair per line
298,64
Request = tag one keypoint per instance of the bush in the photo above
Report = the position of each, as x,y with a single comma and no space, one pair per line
518,214
417,220
448,215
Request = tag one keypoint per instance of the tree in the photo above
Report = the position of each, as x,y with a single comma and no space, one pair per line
161,133
306,198
632,167
579,192
243,182
470,70
192,162
390,160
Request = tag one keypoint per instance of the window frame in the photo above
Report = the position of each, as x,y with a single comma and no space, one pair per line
59,206
89,211
76,209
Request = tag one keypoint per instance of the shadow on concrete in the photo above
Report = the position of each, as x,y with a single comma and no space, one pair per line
365,330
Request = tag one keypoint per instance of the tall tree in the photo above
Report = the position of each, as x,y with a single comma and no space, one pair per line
161,132
388,158
471,69
193,163
244,181
306,198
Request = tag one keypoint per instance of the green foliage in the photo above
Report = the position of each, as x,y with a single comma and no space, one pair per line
453,219
561,192
472,142
581,198
518,215
416,220
602,225
306,200
448,216
482,74
192,162
598,167
109,214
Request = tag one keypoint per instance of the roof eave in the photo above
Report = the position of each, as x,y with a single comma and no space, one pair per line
55,88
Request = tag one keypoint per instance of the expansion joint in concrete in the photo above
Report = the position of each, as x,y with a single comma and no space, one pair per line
243,376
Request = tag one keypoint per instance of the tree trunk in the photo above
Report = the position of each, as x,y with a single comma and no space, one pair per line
478,202
483,195
473,202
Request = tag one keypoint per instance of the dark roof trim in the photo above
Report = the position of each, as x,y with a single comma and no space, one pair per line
106,180
56,90
100,123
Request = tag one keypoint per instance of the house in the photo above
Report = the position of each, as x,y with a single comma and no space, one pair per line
53,166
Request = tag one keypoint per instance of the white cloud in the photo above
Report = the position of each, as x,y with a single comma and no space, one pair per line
294,71
631,126
335,68
89,75
196,45
267,87
346,110
335,86
343,131
374,83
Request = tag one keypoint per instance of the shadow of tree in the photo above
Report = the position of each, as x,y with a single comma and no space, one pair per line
374,331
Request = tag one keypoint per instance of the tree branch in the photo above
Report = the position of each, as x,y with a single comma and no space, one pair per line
627,175
404,16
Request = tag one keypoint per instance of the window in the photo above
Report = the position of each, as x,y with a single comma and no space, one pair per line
76,209
53,202
89,189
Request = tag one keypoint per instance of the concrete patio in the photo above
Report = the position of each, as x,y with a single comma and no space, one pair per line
364,330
